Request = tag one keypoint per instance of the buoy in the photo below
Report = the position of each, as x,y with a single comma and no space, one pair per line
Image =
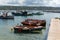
12,29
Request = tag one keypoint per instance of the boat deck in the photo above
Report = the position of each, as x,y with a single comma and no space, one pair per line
54,31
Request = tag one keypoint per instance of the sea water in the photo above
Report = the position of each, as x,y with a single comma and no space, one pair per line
7,34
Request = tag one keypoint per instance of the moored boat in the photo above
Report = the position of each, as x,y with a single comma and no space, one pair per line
30,25
5,16
38,13
34,22
25,13
27,29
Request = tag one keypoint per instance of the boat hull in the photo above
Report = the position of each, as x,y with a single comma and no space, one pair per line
7,17
19,14
33,30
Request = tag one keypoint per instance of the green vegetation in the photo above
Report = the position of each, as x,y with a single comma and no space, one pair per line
28,8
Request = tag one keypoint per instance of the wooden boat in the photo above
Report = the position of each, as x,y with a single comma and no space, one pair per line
21,14
38,13
5,16
27,29
34,22
30,25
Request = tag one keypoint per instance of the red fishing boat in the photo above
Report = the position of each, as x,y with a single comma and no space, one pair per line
27,29
30,25
32,22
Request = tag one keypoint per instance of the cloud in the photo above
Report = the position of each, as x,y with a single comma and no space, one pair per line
30,2
33,2
3,2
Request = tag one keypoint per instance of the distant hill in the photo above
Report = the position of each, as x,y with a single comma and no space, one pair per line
28,8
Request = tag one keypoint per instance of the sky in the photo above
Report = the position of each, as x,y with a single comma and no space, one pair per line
30,2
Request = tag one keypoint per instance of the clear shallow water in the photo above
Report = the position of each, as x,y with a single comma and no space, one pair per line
5,26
